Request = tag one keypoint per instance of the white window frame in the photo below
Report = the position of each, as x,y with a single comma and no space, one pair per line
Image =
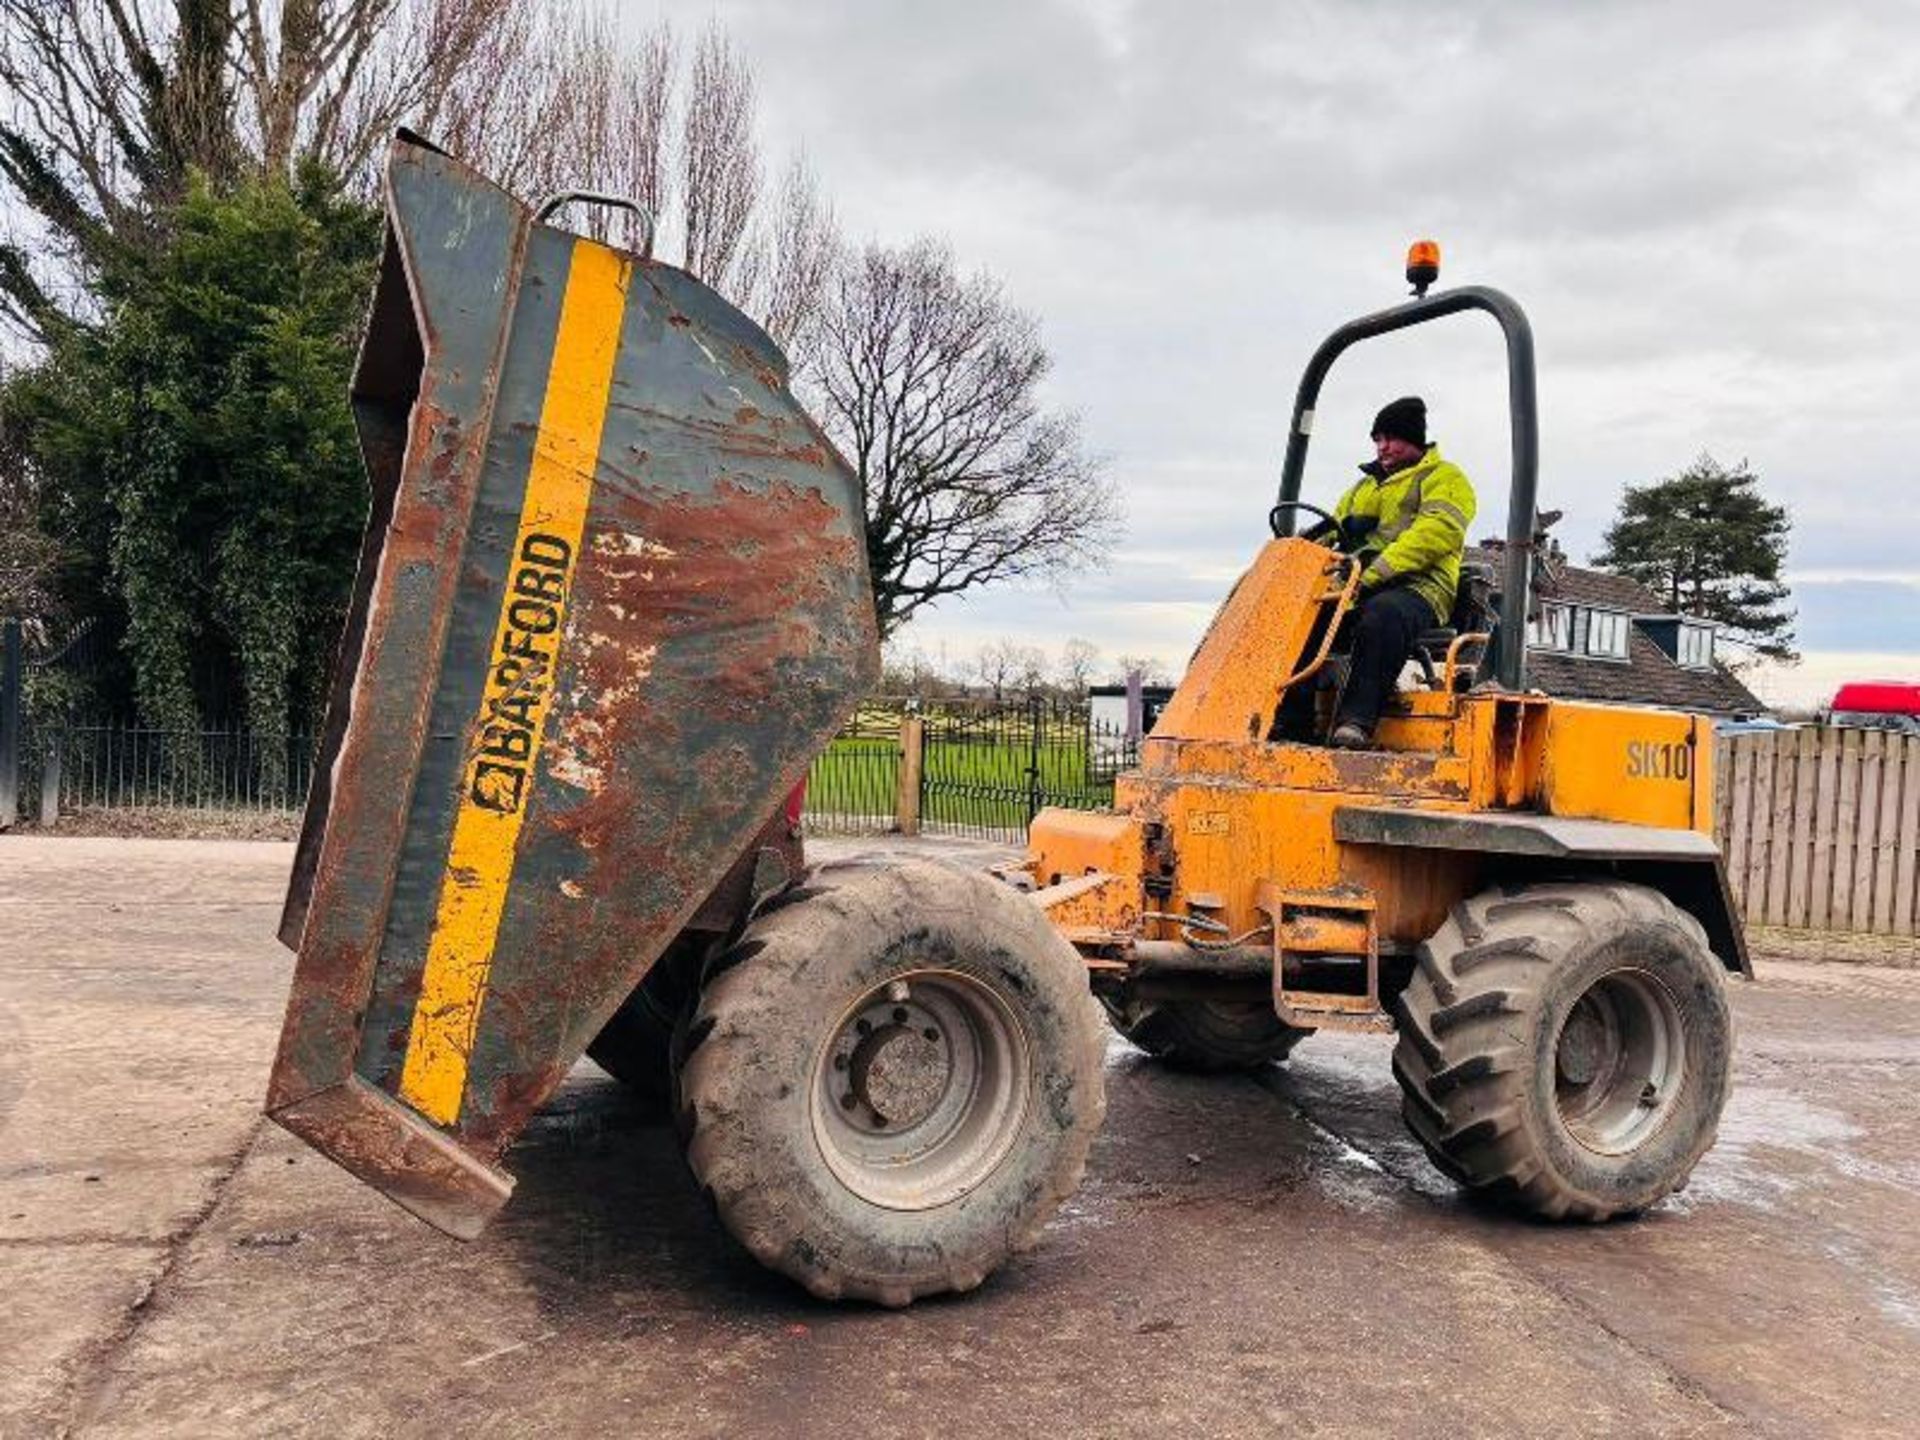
1553,630
1608,634
1695,644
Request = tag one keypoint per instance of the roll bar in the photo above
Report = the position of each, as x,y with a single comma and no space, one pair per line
1510,658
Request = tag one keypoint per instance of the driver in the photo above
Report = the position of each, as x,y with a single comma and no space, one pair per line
1407,517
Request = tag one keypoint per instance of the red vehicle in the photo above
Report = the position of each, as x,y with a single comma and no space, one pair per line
1878,704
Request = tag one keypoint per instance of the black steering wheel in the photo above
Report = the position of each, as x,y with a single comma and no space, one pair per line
1337,539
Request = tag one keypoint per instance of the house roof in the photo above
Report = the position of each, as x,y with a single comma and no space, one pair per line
1650,676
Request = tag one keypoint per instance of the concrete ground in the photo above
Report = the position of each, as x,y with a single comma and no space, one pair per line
1247,1256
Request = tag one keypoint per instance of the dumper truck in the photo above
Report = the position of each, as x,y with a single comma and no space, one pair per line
613,601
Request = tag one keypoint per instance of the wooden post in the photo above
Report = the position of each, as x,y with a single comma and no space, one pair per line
1873,750
1800,864
1759,781
12,666
1780,852
1736,779
1826,838
1906,893
1885,842
1723,793
913,746
50,783
1846,823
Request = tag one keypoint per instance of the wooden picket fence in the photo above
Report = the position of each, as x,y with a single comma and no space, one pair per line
1821,828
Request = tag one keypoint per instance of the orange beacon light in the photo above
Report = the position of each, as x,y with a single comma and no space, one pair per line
1423,265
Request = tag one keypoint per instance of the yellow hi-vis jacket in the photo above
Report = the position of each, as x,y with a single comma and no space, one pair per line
1423,513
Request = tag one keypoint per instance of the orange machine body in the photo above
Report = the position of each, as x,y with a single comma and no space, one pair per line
1223,841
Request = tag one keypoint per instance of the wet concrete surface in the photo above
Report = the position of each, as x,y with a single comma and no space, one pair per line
1246,1256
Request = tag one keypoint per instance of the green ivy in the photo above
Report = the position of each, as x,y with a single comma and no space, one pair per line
199,454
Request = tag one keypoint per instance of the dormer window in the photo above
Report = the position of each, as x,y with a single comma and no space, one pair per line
1553,630
1607,634
1696,645
1580,630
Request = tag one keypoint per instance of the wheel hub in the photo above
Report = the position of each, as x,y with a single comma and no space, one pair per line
1585,1045
921,1089
891,1067
1619,1062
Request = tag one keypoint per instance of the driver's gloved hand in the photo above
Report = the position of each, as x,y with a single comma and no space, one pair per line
1356,528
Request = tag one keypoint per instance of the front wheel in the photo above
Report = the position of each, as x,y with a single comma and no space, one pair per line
1206,1035
1566,1047
892,1080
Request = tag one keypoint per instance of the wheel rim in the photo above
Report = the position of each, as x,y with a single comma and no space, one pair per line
1619,1062
921,1090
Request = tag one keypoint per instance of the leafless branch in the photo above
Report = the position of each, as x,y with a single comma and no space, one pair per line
789,261
719,160
931,383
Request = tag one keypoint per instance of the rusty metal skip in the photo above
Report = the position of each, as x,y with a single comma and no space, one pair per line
612,600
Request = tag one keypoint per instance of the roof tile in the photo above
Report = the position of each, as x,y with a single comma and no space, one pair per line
1649,676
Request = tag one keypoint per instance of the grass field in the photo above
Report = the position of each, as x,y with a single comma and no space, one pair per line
974,777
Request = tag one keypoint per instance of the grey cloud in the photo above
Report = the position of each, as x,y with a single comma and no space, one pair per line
1705,207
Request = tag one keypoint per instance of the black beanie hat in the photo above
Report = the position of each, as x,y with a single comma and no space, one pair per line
1404,419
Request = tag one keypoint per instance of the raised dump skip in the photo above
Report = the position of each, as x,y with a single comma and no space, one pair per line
612,600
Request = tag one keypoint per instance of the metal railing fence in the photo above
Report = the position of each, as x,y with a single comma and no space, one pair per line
121,767
986,774
980,769
853,785
976,769
1820,827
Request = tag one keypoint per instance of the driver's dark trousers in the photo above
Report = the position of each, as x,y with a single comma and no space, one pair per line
1378,633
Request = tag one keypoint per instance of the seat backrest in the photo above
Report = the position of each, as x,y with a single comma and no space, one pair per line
1473,608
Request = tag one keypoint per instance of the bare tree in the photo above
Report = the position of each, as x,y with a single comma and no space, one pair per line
719,161
931,384
1075,670
787,267
909,670
110,105
592,107
572,103
1006,665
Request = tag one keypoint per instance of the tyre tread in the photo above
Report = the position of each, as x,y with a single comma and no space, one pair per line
1457,1062
715,1049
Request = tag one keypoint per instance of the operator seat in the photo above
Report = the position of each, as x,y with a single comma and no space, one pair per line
1473,613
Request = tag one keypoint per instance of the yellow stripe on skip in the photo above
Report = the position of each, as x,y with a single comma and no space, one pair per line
504,740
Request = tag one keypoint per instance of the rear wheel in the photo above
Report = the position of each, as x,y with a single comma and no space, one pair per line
892,1080
1566,1047
1208,1035
634,1045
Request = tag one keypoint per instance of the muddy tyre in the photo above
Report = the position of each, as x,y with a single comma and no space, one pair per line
1206,1035
892,1080
635,1045
1566,1047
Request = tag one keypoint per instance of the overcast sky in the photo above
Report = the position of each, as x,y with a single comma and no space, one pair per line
1711,212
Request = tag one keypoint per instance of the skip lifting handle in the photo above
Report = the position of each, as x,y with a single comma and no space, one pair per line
554,202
